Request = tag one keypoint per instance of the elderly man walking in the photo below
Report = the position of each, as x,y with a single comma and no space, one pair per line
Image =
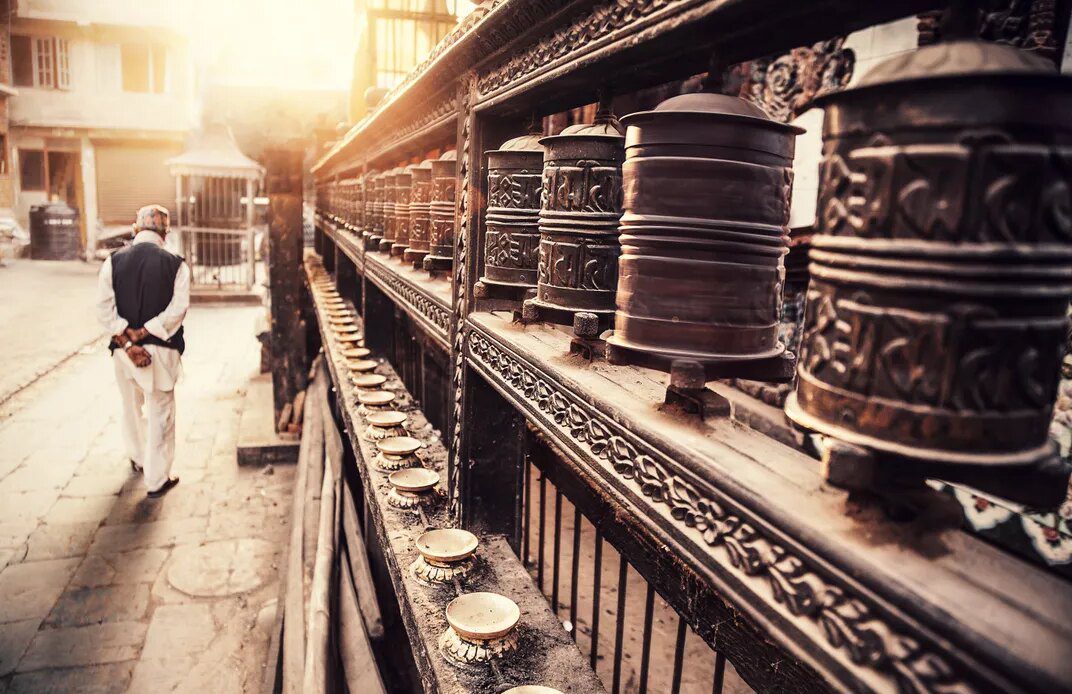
143,294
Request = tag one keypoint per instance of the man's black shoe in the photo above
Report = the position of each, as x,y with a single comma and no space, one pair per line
171,482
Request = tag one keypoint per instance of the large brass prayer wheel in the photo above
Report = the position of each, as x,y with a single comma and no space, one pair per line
441,213
419,221
375,232
390,211
942,263
704,232
512,240
581,204
403,185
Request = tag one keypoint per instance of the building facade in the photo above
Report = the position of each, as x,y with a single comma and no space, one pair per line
105,89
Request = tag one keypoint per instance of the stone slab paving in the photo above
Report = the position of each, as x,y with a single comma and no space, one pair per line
103,590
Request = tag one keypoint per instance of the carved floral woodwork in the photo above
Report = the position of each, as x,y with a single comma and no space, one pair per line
785,85
1029,25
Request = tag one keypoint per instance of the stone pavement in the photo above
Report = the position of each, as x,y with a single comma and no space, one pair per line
46,314
103,590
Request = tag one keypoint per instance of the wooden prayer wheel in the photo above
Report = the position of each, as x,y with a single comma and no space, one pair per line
581,204
512,240
942,261
390,209
403,184
706,185
376,222
441,213
419,211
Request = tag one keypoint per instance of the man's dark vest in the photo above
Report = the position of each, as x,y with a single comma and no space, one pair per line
143,277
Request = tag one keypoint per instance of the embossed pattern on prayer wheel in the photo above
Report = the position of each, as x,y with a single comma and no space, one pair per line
706,185
403,185
942,261
390,209
376,221
441,234
512,241
419,222
581,204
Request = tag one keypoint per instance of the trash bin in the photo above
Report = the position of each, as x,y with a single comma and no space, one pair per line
55,233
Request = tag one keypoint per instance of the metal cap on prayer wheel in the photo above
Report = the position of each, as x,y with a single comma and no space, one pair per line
706,184
390,209
581,205
441,233
941,265
403,187
376,211
512,240
419,211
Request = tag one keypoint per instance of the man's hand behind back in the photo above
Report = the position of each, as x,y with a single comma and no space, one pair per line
139,356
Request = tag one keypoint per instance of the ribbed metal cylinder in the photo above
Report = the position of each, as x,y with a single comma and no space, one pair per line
706,203
512,239
942,261
441,213
419,211
390,214
403,186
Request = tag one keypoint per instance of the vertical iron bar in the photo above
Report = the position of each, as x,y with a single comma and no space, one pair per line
619,630
597,574
645,653
576,567
720,673
526,522
539,559
558,550
679,652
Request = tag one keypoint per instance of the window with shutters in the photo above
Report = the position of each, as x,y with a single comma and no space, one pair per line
41,61
144,67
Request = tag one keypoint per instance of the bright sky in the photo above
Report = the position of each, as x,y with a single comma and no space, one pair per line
286,43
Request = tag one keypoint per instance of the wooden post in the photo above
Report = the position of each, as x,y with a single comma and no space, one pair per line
289,361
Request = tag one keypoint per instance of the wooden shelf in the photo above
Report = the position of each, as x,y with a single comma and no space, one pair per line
550,657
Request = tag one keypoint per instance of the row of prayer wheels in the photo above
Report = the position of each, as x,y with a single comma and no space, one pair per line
406,211
940,266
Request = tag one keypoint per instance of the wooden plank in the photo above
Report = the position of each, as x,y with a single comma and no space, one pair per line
355,651
359,567
317,655
294,603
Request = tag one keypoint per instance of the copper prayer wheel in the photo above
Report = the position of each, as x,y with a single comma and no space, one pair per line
357,205
581,204
419,211
375,232
390,209
512,240
942,261
706,186
403,184
441,213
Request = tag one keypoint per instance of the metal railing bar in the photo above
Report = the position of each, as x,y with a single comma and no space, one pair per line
526,504
679,653
619,630
597,563
574,579
720,673
645,654
555,567
543,532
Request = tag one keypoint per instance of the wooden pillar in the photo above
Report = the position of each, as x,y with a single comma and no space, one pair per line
289,359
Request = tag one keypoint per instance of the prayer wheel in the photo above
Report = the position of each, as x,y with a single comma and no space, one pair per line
941,265
390,209
441,213
704,232
419,211
357,205
375,232
512,240
403,183
581,205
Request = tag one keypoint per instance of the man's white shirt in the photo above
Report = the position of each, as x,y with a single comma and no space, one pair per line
166,368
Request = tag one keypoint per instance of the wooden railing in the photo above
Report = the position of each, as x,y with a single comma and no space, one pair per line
707,512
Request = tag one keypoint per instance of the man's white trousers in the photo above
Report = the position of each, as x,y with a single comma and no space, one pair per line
148,426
